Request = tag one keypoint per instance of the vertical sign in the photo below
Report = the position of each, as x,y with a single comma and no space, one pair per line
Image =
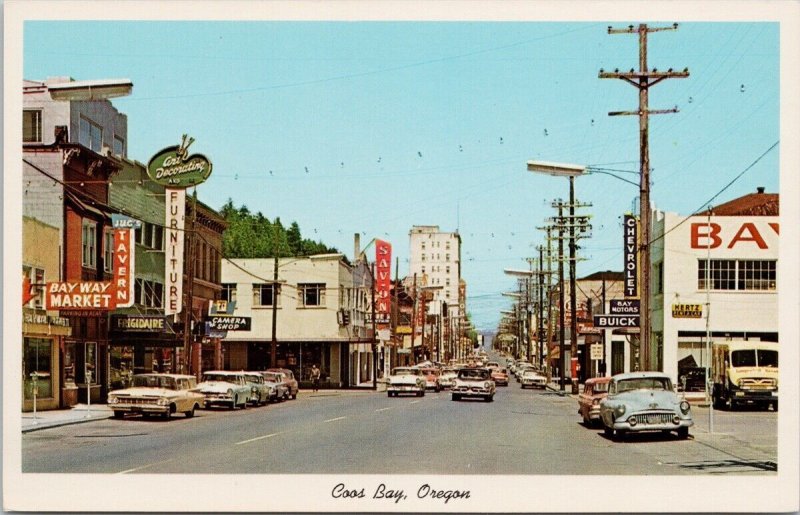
383,278
631,267
124,254
176,208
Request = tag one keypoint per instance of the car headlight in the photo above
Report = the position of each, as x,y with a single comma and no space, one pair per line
112,399
632,421
230,392
595,402
684,407
486,384
619,410
163,401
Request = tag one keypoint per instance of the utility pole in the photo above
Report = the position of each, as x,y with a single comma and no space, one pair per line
374,334
273,348
540,308
643,80
561,347
188,294
413,314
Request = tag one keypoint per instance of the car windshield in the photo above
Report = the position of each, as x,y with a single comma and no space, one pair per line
275,378
600,388
218,377
644,383
254,379
768,358
151,381
743,358
406,372
476,373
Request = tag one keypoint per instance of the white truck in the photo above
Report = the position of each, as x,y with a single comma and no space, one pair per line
745,372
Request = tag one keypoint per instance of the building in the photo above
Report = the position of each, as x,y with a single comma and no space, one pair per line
319,304
714,273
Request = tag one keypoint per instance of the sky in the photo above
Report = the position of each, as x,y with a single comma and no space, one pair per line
372,127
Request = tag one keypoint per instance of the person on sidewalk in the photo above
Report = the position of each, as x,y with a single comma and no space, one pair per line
315,373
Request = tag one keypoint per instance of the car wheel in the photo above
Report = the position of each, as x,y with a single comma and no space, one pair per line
490,398
618,435
294,395
119,414
729,404
166,414
190,413
683,433
775,406
235,402
456,397
609,432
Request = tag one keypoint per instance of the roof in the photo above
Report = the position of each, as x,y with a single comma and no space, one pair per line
639,375
608,275
752,204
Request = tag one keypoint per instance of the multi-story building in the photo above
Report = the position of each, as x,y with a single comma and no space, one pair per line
319,304
714,273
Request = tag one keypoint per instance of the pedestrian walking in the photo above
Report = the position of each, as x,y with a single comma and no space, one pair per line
315,373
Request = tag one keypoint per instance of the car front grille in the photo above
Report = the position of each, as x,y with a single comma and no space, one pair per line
654,418
758,384
135,401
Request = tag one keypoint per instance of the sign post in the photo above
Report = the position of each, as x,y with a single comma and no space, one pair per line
88,394
35,385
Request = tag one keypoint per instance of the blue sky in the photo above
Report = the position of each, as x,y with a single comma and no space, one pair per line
373,127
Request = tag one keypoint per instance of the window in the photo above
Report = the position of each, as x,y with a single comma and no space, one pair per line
119,146
36,277
89,239
150,236
447,257
108,250
263,294
447,282
38,358
31,126
149,294
423,269
423,256
744,274
658,278
312,294
447,269
228,292
91,135
447,245
423,245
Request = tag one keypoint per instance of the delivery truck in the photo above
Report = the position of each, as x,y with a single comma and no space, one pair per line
745,373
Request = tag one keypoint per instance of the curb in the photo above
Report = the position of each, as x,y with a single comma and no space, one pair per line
50,425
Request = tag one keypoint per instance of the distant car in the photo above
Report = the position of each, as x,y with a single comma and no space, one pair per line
492,364
522,368
644,401
448,377
694,379
432,379
160,394
474,382
260,389
530,377
277,387
225,388
594,391
289,380
406,380
500,376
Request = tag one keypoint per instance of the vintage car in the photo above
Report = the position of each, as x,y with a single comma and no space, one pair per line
162,394
473,382
500,376
432,379
278,390
260,389
448,377
289,380
406,380
530,377
225,388
594,391
644,401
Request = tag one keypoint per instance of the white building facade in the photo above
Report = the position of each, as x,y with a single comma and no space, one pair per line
719,269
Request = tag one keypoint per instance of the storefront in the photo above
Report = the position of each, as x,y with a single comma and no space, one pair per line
298,357
42,338
141,344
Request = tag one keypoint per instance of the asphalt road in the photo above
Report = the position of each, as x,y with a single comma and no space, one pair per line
522,432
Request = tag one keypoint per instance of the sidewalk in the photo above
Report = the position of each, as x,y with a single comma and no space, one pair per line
64,417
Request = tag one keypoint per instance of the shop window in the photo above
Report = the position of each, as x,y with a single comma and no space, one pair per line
743,275
89,239
312,294
265,294
38,359
108,250
90,371
228,292
90,135
69,363
447,257
721,274
31,125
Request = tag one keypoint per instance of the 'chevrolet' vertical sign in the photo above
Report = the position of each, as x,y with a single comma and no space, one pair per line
631,268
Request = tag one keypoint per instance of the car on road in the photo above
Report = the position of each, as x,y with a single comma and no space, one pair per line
277,388
530,377
260,389
406,380
448,377
432,379
289,380
222,387
156,394
644,401
594,391
500,376
474,382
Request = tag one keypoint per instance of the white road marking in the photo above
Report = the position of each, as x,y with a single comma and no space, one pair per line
414,402
257,438
144,466
382,409
335,419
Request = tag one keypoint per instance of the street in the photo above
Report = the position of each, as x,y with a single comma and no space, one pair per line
527,432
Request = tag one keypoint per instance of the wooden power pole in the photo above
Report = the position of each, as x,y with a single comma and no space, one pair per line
643,80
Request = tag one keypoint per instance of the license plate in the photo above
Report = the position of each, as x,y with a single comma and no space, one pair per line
653,419
774,394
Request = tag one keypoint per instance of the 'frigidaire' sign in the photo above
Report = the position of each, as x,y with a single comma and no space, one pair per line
173,167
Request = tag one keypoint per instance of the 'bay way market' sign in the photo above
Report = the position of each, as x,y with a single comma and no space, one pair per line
176,170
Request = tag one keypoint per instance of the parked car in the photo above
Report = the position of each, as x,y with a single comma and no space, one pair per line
644,401
161,394
448,377
500,376
594,391
474,382
432,379
492,364
521,369
260,389
225,388
692,379
289,380
406,380
530,377
277,387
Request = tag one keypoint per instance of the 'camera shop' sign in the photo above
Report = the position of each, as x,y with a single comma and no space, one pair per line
229,323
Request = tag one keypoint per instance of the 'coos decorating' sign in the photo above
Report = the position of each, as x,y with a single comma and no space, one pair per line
173,167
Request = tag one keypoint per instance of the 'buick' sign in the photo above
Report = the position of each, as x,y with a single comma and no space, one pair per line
229,323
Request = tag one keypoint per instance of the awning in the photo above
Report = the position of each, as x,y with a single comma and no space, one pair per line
83,206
